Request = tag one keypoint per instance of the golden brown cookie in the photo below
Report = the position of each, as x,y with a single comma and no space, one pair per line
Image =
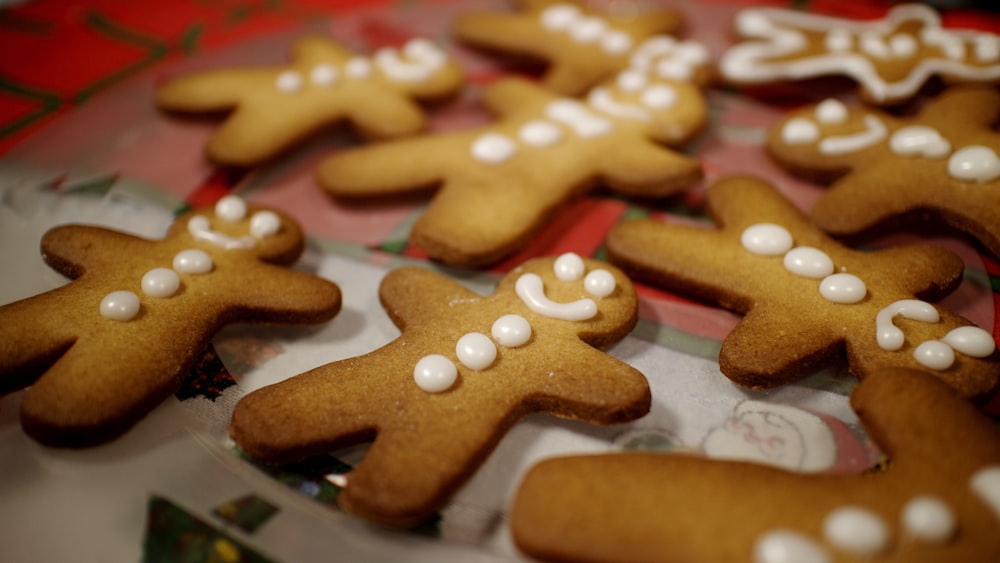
466,367
941,163
938,498
100,352
273,108
499,183
581,46
890,58
808,300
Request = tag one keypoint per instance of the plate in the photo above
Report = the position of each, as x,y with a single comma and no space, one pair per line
178,475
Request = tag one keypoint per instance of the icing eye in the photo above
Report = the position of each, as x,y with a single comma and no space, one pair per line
231,208
265,224
599,283
560,16
831,111
631,80
799,131
568,267
659,96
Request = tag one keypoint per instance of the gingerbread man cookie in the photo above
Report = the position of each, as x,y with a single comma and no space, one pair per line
941,162
466,367
581,46
499,183
890,59
101,351
938,498
273,108
806,298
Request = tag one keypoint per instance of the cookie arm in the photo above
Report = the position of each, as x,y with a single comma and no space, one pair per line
412,294
73,249
416,164
648,170
213,90
302,298
513,94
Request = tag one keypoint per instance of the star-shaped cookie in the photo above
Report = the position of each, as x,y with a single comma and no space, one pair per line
883,169
890,58
807,300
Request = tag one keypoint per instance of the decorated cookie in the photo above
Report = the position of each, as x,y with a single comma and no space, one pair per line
101,351
500,182
466,367
890,59
807,300
273,108
885,169
581,46
937,499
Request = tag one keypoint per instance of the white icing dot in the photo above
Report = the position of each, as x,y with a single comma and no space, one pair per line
193,261
476,351
493,148
929,519
435,373
971,341
576,116
231,208
831,111
289,81
511,331
559,17
987,47
799,131
588,29
539,133
843,288
616,42
120,306
358,68
903,45
934,354
568,267
659,96
856,530
265,224
919,140
323,74
808,262
786,546
839,40
160,282
599,283
767,239
631,80
974,162
986,484
674,69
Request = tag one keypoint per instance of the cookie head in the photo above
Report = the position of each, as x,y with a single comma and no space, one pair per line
232,224
592,298
659,89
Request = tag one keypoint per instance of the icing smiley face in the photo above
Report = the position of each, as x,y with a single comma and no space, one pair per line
476,351
940,162
580,46
465,364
